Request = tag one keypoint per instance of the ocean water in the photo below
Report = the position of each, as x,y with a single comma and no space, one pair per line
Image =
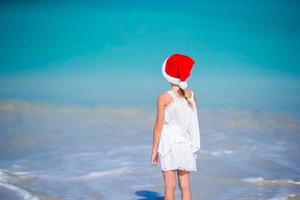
79,83
77,152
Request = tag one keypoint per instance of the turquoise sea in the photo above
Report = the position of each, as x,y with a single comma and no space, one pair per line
79,82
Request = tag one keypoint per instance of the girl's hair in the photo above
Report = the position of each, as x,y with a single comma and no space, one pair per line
183,93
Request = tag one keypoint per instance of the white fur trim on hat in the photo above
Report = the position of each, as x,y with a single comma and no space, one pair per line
183,84
169,78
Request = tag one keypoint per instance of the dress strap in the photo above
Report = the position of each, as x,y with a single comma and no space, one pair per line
173,95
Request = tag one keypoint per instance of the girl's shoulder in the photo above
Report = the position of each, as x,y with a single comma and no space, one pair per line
164,97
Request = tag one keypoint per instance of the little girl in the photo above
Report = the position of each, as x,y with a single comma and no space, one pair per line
176,134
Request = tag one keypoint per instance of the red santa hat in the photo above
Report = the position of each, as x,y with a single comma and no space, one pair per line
177,68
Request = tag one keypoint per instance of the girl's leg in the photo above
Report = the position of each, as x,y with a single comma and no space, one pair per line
170,184
184,184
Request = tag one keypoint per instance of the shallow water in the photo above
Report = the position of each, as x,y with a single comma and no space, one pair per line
58,152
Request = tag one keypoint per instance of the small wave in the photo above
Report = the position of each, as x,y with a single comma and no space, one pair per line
21,192
9,180
221,152
98,174
262,181
285,197
127,148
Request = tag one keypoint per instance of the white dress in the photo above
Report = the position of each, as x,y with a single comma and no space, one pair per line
180,136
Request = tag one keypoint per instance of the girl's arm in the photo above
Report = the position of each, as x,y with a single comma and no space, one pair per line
159,121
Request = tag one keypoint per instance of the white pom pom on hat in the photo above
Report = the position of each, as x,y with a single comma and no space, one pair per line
177,68
183,84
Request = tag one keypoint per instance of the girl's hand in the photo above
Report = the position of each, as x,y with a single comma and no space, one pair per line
154,158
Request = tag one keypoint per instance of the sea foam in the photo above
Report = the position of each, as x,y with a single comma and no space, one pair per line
262,181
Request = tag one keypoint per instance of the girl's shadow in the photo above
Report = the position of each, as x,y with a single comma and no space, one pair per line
148,195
